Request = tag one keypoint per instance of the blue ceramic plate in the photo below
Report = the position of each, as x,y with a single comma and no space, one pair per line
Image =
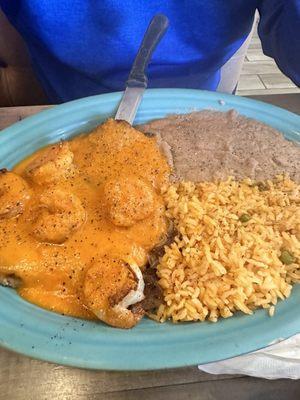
30,330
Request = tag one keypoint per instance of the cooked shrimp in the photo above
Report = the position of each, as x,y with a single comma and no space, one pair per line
129,200
14,193
110,287
52,165
60,214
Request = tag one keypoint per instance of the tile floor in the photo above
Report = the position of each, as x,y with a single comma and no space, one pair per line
260,74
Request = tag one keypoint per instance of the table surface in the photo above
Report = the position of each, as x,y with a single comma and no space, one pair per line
25,378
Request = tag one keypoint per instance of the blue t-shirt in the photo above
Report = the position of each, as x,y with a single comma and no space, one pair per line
86,47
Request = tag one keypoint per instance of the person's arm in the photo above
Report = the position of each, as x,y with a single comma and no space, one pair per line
279,31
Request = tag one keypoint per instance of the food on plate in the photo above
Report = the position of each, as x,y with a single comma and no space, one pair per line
110,286
52,164
211,145
236,248
195,219
128,200
14,194
59,214
84,215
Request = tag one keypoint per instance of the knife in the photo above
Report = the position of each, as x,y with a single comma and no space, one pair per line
137,79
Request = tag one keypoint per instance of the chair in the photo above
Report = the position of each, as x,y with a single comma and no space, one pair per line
18,84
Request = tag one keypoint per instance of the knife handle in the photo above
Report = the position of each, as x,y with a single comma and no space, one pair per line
155,31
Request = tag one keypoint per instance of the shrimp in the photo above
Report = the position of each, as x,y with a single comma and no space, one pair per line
59,215
110,287
129,200
52,165
14,194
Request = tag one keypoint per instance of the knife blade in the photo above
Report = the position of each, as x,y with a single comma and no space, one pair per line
129,104
137,79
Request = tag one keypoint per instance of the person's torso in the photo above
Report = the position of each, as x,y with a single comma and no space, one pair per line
86,47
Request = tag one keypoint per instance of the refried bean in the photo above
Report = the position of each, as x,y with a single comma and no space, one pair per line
209,145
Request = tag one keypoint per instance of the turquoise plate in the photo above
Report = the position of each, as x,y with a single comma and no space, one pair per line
30,330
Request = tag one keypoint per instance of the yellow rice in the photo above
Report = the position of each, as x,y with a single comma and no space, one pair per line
218,265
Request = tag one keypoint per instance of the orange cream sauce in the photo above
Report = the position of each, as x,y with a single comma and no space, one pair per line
52,274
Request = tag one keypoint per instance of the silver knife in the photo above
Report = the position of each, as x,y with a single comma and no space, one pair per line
137,79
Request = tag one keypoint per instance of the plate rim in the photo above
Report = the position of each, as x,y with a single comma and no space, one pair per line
54,112
115,96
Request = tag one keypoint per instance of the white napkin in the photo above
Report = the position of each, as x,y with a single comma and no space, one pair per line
281,360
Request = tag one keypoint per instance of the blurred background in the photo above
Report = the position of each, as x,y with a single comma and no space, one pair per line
260,74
